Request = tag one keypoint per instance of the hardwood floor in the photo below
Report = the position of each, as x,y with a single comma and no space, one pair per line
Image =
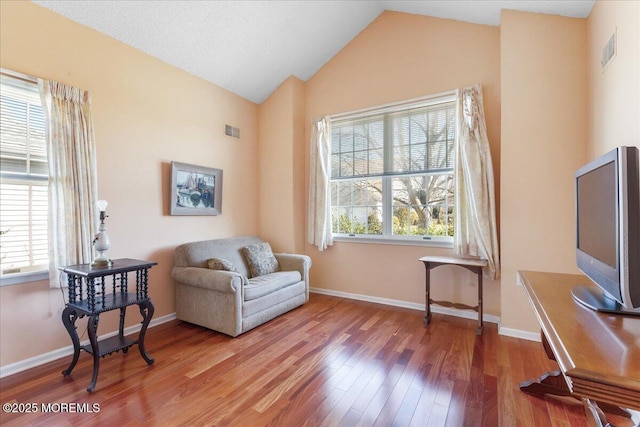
332,362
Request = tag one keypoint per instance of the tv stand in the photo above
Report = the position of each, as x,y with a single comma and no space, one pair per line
596,300
597,352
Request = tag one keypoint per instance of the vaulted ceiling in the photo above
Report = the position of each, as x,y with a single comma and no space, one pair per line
250,47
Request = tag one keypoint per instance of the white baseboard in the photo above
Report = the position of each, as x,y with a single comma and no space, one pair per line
14,368
466,314
517,333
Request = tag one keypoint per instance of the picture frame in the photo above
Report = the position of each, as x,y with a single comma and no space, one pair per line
195,190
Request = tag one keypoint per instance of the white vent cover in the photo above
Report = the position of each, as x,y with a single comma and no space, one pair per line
608,51
231,131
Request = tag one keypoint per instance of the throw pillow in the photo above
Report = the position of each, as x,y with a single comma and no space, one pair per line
221,264
260,259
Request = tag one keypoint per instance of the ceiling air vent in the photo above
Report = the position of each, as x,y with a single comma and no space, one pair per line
609,51
231,131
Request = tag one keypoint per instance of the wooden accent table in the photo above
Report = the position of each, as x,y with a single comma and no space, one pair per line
473,264
598,353
88,296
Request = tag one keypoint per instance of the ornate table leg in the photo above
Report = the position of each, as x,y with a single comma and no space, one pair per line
552,382
92,327
549,383
594,414
146,310
69,317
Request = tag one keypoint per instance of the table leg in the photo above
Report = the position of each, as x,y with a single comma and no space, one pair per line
595,416
480,325
549,383
69,317
92,327
146,310
553,383
123,311
427,303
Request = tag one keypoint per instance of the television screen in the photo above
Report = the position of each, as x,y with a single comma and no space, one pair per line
597,226
607,231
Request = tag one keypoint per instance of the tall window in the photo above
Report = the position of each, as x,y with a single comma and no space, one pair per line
392,172
23,178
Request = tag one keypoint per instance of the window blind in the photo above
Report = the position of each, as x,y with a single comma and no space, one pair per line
23,178
24,223
419,140
22,128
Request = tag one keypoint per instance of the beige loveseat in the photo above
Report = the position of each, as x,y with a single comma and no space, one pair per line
233,302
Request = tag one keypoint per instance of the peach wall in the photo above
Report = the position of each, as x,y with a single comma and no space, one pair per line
614,113
544,133
146,114
401,56
281,174
299,172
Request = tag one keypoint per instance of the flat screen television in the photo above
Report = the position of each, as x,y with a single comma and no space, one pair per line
608,232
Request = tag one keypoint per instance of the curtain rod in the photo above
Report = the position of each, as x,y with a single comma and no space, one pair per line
391,105
16,75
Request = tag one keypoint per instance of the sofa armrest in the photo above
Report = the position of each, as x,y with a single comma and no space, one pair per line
217,280
291,262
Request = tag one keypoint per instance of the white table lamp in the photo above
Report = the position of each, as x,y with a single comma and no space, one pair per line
101,241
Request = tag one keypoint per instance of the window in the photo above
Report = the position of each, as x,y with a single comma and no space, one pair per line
392,172
23,179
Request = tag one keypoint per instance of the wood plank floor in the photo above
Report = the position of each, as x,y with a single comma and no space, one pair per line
332,362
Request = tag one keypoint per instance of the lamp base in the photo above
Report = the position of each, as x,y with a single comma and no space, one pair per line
101,263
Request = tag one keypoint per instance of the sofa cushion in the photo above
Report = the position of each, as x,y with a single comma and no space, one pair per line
196,254
256,311
260,259
268,283
221,264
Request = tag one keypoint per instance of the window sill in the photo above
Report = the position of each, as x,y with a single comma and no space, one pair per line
16,279
396,242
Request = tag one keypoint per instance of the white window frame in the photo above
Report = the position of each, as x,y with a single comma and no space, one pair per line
387,236
31,272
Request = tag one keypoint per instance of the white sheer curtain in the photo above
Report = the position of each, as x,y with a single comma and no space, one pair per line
73,184
319,208
475,231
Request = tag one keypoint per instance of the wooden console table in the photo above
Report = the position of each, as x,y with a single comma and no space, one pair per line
598,353
473,264
88,297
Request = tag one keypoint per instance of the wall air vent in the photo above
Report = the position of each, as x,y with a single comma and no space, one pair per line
608,51
231,131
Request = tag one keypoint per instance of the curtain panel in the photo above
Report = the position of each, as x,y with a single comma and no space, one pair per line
73,184
319,206
475,231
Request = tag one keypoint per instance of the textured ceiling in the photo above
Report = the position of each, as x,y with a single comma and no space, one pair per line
250,47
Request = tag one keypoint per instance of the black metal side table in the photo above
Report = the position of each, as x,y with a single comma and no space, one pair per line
88,296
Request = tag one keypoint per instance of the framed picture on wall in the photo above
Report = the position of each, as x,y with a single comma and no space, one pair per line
195,190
